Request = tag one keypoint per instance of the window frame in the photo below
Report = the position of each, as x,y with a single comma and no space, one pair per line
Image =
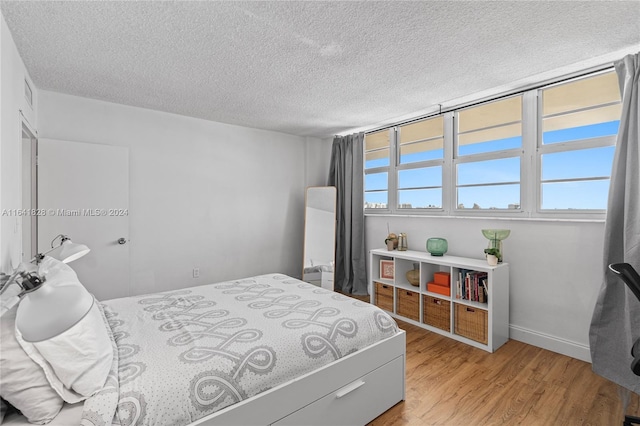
530,155
486,156
381,169
420,165
567,146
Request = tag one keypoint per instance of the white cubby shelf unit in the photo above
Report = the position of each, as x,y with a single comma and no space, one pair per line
484,325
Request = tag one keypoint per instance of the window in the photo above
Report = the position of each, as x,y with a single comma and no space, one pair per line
490,127
421,154
489,151
377,150
547,151
579,123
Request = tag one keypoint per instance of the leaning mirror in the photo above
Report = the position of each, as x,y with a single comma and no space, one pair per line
319,236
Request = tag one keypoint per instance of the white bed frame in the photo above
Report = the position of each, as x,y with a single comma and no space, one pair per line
350,391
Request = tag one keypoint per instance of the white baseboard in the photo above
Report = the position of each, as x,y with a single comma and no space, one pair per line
551,343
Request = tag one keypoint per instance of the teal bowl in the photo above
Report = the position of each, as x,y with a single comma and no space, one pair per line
437,246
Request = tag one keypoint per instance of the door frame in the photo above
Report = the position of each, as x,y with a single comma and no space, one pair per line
29,184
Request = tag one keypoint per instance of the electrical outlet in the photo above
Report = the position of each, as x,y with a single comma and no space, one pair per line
196,272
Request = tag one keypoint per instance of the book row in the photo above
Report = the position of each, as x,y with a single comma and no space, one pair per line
472,285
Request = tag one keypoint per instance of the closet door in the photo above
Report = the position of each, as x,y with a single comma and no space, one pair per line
83,192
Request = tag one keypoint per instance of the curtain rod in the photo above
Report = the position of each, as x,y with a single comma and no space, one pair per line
533,86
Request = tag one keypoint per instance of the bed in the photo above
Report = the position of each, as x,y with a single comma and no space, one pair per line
269,349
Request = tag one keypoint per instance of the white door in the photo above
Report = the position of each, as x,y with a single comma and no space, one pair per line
83,192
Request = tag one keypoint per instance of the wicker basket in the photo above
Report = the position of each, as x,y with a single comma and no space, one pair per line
409,304
436,312
471,323
384,297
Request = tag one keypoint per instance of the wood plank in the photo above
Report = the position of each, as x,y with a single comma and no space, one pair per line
450,383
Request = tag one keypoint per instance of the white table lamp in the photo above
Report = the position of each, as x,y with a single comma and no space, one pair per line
48,310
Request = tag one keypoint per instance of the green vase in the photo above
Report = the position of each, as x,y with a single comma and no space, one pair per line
437,246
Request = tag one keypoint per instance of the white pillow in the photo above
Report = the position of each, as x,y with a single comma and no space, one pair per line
77,361
23,383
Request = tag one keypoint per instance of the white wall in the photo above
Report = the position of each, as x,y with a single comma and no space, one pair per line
226,199
317,159
12,101
555,269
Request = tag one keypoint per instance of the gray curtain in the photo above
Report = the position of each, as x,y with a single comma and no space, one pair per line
346,174
616,318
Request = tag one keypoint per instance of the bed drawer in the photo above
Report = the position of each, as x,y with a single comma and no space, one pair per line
356,403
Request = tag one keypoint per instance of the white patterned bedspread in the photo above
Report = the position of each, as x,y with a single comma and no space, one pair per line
185,354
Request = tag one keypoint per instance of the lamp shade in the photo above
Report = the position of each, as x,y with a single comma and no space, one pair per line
56,305
51,310
69,251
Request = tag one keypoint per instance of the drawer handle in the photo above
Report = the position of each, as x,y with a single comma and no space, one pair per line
437,302
349,388
409,293
385,286
470,310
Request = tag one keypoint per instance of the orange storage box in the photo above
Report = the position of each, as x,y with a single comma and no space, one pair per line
438,288
442,278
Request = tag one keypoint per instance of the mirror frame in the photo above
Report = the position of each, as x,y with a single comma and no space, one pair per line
326,280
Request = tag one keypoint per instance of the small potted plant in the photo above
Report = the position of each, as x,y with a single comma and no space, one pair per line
493,256
391,241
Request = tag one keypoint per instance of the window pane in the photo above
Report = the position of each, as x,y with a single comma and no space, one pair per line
490,171
590,194
581,109
422,140
609,128
420,178
587,92
376,149
376,181
378,158
376,140
581,163
495,126
587,108
422,151
420,198
425,129
489,197
375,200
481,146
490,114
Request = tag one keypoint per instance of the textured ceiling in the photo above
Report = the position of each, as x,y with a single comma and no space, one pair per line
307,68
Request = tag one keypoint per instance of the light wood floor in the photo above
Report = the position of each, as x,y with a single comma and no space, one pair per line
450,383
